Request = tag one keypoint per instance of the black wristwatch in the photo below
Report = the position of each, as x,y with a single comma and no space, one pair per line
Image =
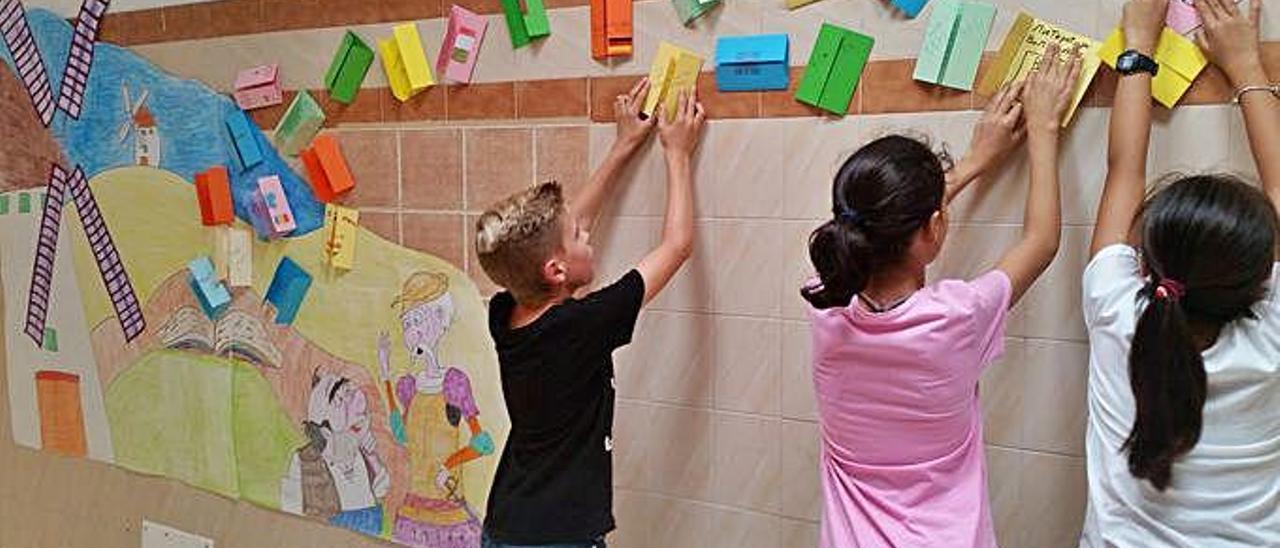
1132,62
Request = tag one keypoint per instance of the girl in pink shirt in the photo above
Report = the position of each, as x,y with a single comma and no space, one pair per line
896,363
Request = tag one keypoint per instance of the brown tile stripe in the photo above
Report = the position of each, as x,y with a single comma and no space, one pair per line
237,17
886,87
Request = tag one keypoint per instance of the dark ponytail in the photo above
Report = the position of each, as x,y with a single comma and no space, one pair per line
881,196
1209,244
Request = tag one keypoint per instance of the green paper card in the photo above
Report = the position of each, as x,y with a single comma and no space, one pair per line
834,68
954,42
299,124
688,10
347,71
525,26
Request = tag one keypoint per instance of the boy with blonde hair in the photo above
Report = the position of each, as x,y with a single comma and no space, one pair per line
554,480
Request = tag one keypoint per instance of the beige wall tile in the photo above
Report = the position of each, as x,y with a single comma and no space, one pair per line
742,529
748,267
801,484
1241,155
799,533
691,290
744,175
680,451
1051,495
1191,139
1004,475
1083,168
620,242
499,162
797,268
631,448
747,470
431,168
1004,396
798,400
641,187
814,151
684,523
669,359
748,352
1054,411
637,514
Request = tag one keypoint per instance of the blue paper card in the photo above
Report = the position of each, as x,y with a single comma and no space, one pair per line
750,63
288,288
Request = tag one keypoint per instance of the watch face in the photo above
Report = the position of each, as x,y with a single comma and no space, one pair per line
1125,63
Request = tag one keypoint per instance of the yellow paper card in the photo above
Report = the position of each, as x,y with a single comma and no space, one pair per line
1180,60
413,57
394,67
1024,46
340,225
675,69
793,4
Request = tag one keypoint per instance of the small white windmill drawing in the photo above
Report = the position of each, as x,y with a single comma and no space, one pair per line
139,121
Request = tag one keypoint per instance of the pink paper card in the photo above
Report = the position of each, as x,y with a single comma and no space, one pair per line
258,87
1182,16
277,206
461,45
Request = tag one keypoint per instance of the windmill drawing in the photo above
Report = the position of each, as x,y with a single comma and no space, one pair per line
74,185
139,122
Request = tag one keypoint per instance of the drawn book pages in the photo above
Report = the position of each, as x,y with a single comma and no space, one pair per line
236,334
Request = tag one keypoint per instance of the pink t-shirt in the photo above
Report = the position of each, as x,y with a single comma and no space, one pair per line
902,461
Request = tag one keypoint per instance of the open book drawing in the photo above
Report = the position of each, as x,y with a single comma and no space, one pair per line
235,334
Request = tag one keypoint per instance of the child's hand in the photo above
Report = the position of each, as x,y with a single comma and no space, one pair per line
633,130
999,131
1143,20
681,134
1049,90
1230,39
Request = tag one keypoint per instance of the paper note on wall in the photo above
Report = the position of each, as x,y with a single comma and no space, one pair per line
1180,64
675,69
340,247
1025,45
954,42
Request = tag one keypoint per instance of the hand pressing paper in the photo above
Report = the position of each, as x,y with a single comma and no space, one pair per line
674,70
1024,46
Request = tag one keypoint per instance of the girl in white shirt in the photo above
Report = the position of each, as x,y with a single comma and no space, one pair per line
1182,303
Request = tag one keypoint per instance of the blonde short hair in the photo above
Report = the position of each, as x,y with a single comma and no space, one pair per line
517,235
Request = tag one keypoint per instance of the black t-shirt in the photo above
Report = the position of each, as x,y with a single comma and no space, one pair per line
555,479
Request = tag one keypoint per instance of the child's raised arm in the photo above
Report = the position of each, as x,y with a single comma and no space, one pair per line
1231,40
633,131
680,138
1126,184
1046,96
999,131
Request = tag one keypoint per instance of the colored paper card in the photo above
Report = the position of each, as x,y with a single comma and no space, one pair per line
462,40
347,71
611,28
288,288
239,257
258,87
278,211
1180,60
1182,16
299,124
749,63
793,4
405,62
213,193
835,66
688,10
327,169
910,7
210,293
528,25
244,144
340,245
1024,46
954,42
675,69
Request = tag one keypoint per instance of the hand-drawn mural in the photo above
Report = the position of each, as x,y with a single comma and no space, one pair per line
365,411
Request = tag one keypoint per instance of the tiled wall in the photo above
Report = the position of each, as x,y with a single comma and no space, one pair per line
716,436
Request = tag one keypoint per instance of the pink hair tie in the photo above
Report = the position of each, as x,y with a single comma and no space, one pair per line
1170,290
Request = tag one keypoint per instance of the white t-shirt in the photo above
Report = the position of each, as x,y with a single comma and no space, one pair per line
1226,490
